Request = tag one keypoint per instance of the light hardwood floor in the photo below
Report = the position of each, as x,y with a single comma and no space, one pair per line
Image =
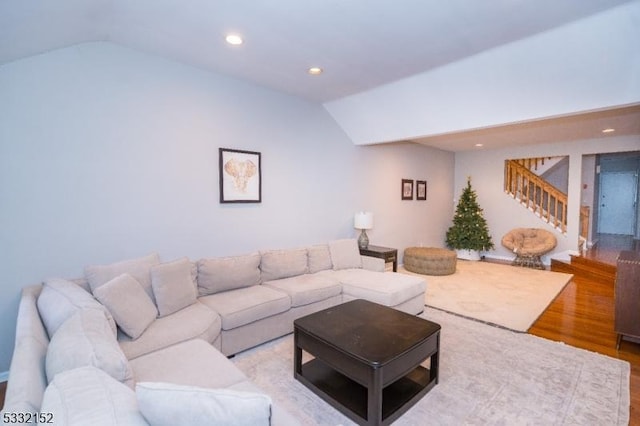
582,316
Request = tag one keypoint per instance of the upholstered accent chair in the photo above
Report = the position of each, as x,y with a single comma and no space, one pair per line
529,244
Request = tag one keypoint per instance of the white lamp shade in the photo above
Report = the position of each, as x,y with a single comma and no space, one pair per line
363,220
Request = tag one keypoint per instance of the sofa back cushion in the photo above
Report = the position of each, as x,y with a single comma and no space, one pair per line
166,404
277,264
174,285
86,339
138,268
89,396
60,299
130,305
319,258
345,254
228,273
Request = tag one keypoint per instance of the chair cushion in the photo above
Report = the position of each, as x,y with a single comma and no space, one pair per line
529,241
228,273
276,264
89,396
130,305
87,339
246,305
174,285
308,288
166,404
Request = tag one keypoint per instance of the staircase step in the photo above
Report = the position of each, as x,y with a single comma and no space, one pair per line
561,266
587,268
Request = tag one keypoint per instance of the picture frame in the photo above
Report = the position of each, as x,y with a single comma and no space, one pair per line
421,190
407,189
240,176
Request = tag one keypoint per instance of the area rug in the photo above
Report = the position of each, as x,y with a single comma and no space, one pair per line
488,376
503,295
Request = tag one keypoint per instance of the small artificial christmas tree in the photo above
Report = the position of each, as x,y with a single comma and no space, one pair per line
469,230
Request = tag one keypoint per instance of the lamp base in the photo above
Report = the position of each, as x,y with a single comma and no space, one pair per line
363,240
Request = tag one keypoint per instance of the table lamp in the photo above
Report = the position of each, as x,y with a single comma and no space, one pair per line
363,221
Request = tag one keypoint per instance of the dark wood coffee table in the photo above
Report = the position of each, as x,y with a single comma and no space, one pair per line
367,359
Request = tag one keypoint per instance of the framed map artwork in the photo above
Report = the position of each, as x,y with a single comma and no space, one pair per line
240,176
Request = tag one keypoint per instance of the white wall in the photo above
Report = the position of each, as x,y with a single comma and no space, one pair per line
503,213
587,194
589,64
107,154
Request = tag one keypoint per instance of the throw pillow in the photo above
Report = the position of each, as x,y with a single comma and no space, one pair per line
277,264
89,396
60,299
129,304
228,273
319,258
173,286
139,269
86,339
165,404
345,254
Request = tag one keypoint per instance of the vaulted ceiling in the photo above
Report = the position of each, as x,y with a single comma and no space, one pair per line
360,44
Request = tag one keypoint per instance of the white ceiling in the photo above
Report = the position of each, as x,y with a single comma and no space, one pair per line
360,44
625,121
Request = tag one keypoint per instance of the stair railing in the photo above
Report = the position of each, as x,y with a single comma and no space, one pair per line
535,193
532,163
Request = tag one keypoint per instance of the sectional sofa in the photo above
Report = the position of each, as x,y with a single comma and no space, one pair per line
146,342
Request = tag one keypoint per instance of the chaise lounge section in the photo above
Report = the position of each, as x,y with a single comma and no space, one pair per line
155,327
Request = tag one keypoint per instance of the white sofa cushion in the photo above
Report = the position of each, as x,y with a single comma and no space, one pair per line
86,339
138,268
308,288
246,305
276,264
193,322
166,404
130,305
228,273
385,288
319,258
174,285
60,299
345,254
194,363
89,396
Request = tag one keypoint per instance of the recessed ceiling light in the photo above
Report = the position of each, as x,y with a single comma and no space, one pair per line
609,130
479,145
234,39
315,71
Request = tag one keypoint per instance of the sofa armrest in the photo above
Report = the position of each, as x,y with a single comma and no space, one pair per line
372,263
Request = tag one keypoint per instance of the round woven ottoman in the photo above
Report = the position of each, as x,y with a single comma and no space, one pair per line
430,260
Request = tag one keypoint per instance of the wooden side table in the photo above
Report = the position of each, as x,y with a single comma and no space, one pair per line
386,253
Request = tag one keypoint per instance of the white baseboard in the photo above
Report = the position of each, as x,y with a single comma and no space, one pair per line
4,376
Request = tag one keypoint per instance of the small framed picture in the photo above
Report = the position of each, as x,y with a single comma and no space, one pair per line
421,190
407,189
240,176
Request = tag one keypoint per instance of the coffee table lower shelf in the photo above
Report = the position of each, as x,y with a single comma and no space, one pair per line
350,397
